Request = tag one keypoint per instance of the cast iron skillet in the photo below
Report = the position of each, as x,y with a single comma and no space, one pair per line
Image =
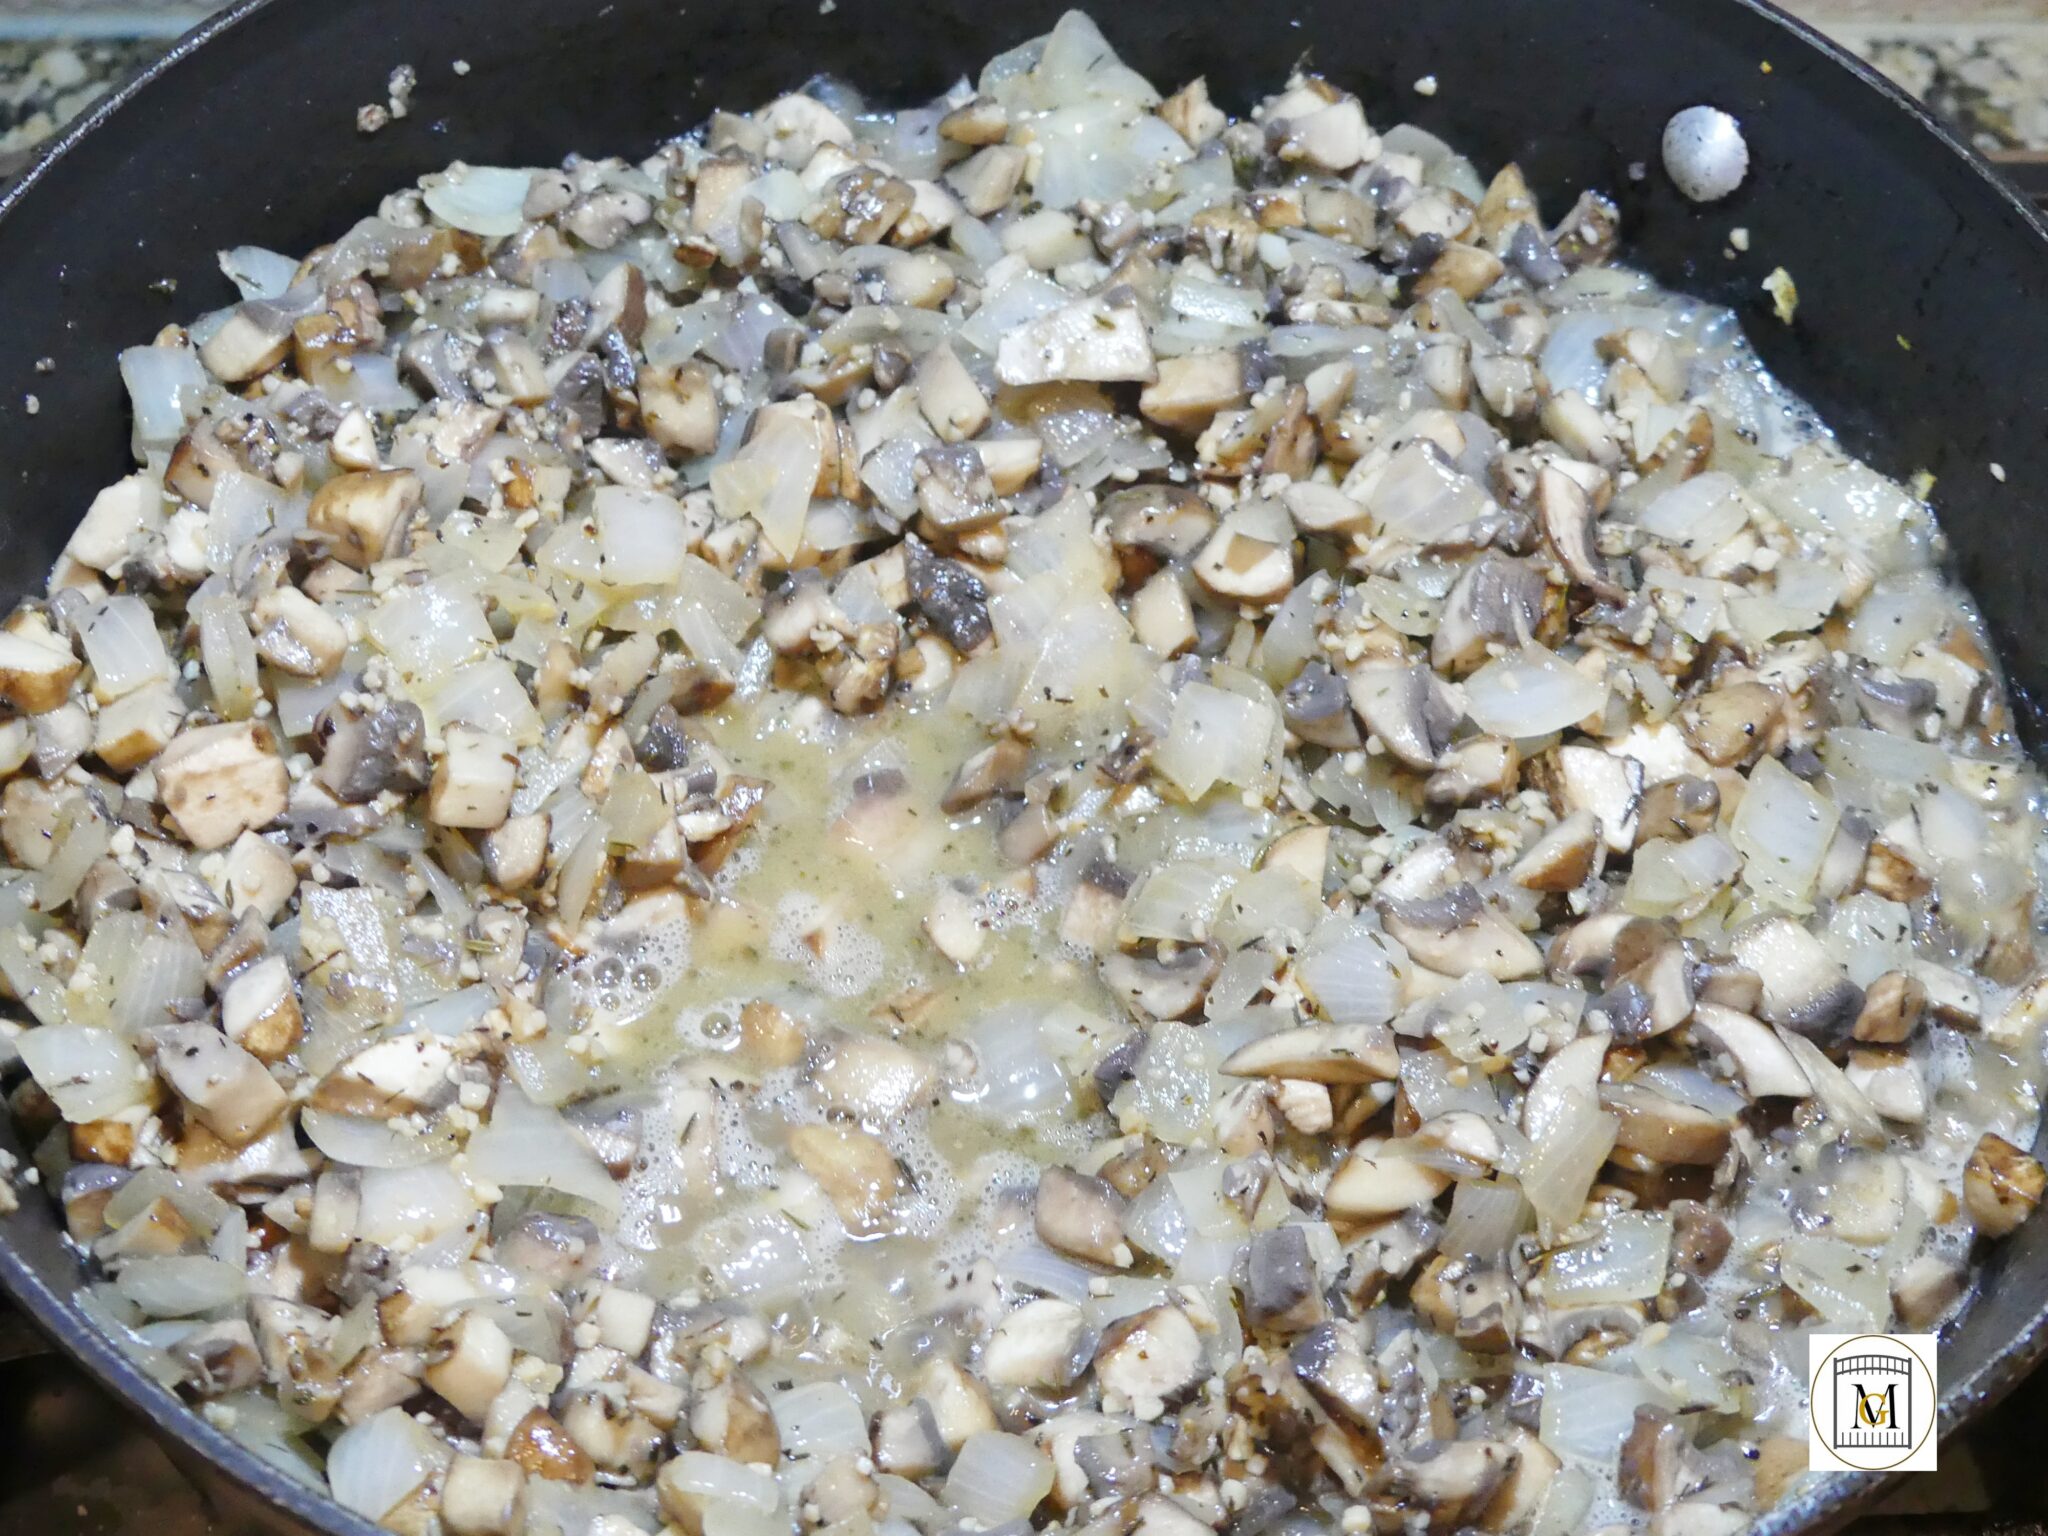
1918,334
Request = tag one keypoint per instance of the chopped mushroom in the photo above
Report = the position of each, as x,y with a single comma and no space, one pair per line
1148,1362
219,781
2001,1185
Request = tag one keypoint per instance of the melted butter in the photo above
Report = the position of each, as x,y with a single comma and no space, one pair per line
821,912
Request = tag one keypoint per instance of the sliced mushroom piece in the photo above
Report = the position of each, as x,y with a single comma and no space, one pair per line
1655,1469
1282,1288
1562,858
954,492
1479,1305
1925,1287
219,781
1732,726
1317,708
1677,809
1373,1182
1320,1053
1458,933
2001,1185
1082,1217
1163,986
1893,1007
1238,565
37,669
998,768
1038,1345
1891,1081
950,596
366,513
1479,769
1762,1061
1408,709
1661,1128
1191,389
1804,987
1700,1240
1148,1363
365,752
1332,1363
1495,601
481,1497
1609,784
679,407
1452,1479
230,1091
1168,522
907,1443
1568,516
857,1172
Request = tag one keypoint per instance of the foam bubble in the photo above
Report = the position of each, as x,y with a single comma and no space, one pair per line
836,955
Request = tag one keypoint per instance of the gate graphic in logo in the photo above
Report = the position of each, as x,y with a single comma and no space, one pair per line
1873,1399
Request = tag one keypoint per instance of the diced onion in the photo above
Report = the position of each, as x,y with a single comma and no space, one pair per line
1531,693
374,1464
165,386
821,1420
1346,971
1567,1157
181,1285
482,199
1485,1218
1624,1261
1588,1413
89,1074
1216,737
1843,1284
1782,829
531,1146
416,1204
998,1477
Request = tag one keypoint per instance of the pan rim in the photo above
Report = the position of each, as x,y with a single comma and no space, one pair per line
1823,1507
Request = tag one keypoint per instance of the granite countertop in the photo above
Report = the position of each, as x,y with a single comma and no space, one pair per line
71,1473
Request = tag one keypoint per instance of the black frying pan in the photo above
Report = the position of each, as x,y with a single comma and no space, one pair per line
1922,329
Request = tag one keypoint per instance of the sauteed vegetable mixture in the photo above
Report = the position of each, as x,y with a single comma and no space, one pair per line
1044,812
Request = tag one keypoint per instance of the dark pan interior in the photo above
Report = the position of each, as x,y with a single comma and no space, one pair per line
1920,332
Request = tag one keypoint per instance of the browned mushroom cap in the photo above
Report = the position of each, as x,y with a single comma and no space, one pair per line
2001,1185
1731,726
1458,933
952,598
1496,601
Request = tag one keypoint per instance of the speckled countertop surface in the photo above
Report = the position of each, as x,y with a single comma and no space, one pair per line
75,1468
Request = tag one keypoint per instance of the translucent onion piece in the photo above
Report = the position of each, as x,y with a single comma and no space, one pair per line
1624,1261
1782,829
997,1477
822,1419
1588,1413
1567,1157
1347,972
182,1285
374,1464
1845,1285
529,1145
1531,693
482,199
1485,1218
89,1074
